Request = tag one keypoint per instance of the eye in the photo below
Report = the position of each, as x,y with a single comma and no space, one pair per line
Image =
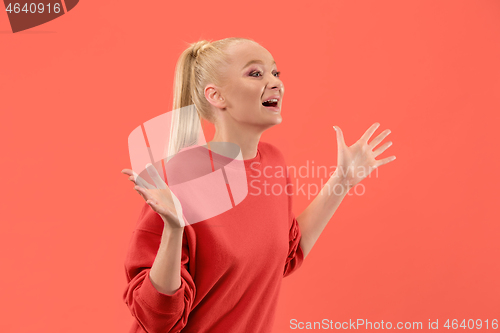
277,74
251,73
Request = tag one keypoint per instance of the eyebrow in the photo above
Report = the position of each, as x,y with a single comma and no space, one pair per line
256,61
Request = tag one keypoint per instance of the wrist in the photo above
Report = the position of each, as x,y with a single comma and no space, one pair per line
339,184
167,226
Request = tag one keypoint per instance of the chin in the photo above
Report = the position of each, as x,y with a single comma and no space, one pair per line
276,121
270,119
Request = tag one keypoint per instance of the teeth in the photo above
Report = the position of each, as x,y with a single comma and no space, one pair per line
272,100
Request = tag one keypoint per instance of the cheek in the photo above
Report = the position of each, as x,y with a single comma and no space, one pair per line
249,91
246,100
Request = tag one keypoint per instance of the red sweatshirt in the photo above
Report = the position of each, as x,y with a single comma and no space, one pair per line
232,264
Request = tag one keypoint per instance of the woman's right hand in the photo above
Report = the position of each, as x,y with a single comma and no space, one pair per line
160,198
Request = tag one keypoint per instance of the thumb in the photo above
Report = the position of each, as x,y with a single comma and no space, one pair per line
340,136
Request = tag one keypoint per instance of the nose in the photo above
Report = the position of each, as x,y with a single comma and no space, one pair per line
275,83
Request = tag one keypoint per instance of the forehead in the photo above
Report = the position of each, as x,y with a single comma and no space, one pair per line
241,54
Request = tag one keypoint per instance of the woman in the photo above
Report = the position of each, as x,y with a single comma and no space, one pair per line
224,274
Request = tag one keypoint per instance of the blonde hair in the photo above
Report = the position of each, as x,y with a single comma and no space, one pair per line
197,66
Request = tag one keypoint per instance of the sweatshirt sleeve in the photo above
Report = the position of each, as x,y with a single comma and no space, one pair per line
154,311
295,254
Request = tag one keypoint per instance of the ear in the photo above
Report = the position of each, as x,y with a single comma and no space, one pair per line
214,97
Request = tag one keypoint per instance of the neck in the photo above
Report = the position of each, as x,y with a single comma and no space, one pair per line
247,138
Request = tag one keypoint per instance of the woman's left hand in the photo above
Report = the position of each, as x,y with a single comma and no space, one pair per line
357,161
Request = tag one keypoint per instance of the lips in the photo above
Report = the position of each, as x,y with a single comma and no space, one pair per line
273,108
271,100
272,103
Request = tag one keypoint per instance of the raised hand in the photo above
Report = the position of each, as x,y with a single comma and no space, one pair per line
160,198
357,161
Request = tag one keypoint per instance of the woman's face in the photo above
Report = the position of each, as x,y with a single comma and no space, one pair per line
251,79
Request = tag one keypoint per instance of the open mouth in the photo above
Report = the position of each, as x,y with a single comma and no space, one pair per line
270,104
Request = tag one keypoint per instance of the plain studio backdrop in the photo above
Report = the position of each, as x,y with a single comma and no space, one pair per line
419,241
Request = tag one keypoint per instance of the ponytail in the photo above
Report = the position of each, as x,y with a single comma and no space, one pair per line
197,66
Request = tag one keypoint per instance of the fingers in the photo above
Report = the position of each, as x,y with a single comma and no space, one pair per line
379,138
160,184
136,179
141,182
385,161
382,149
142,187
369,132
127,172
340,136
144,193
